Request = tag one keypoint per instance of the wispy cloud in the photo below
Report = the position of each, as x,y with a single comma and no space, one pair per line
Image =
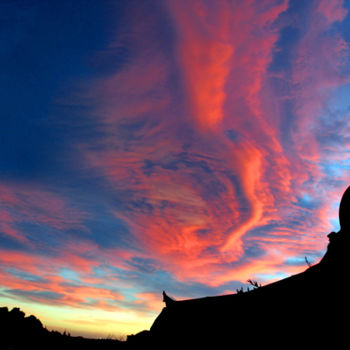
205,143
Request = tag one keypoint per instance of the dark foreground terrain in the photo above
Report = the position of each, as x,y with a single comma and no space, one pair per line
305,311
19,332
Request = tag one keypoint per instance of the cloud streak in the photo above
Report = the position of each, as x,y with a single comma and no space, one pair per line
208,144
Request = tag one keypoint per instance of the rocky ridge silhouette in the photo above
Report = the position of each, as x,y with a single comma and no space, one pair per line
306,310
303,310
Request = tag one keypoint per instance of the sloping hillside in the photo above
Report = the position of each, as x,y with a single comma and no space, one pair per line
309,308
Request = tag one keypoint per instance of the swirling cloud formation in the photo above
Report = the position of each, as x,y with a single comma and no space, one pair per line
175,145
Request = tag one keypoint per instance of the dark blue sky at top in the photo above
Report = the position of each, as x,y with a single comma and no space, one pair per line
49,52
48,49
96,112
45,49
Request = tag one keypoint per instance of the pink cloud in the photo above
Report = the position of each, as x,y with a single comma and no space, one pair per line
204,52
225,76
202,171
27,203
216,171
47,279
150,301
333,11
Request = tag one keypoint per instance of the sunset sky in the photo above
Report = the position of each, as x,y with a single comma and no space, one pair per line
177,145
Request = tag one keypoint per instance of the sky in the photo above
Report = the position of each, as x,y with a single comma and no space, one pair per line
151,145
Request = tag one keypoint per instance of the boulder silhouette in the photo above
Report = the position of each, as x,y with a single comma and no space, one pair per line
306,309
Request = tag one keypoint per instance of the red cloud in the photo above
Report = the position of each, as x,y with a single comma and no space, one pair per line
27,203
201,174
198,153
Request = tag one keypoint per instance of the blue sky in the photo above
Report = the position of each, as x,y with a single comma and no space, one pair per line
150,145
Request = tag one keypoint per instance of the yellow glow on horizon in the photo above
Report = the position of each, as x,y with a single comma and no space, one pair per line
90,323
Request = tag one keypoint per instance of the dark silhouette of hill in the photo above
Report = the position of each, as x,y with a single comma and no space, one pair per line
306,310
18,332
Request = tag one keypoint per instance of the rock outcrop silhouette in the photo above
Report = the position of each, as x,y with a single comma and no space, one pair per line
308,309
